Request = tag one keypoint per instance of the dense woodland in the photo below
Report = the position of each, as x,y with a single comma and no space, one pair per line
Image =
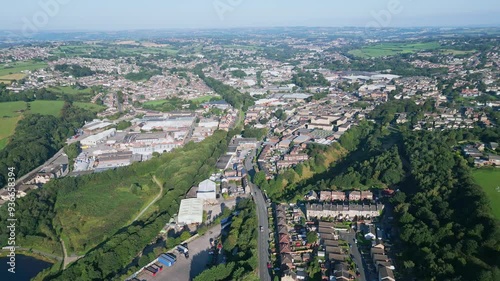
39,137
75,70
242,237
309,79
229,94
447,230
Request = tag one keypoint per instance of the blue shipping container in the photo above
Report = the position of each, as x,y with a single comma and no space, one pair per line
169,258
165,262
172,256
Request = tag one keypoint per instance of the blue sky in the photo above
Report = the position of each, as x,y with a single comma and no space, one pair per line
161,14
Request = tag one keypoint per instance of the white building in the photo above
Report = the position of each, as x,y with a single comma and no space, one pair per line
97,138
190,211
207,190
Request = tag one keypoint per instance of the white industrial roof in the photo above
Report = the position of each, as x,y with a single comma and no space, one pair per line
191,211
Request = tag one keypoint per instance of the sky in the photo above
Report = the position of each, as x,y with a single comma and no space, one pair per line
166,14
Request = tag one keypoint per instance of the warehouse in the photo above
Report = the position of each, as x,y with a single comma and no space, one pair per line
207,190
98,138
190,211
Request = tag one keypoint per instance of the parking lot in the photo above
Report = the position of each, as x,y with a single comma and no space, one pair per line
186,269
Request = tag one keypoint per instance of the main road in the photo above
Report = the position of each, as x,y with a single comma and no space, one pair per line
263,243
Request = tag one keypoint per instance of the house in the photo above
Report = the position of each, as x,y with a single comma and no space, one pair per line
337,257
338,195
376,251
287,261
341,272
354,195
385,274
325,196
289,275
366,195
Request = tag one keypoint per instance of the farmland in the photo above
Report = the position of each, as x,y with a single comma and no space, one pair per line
391,49
18,67
489,180
7,79
110,50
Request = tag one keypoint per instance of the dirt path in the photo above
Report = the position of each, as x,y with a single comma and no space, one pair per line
154,200
68,260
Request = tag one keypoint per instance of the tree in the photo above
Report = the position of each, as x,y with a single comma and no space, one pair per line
312,237
185,235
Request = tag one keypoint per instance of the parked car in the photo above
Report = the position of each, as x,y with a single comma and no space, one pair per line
269,265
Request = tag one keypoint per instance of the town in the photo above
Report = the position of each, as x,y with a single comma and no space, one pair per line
292,110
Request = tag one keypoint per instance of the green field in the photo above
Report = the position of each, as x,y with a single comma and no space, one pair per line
13,68
489,180
69,90
456,52
111,50
7,79
204,98
12,112
155,102
391,49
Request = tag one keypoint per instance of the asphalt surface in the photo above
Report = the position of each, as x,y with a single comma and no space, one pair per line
186,269
355,252
263,236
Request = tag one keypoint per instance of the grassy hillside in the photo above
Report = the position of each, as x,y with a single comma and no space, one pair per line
101,206
10,114
489,180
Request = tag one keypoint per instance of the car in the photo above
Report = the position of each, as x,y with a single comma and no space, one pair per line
261,229
186,255
357,273
269,265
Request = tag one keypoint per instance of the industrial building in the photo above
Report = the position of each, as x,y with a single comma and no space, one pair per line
190,211
98,138
207,190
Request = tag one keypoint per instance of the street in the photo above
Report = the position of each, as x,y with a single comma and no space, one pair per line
356,254
262,218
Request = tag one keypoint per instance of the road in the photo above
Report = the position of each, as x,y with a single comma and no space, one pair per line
349,237
58,154
186,269
263,239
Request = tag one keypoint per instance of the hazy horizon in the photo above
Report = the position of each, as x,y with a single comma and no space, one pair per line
114,15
